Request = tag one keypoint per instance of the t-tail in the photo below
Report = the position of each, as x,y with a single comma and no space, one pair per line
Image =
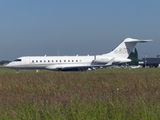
122,51
125,48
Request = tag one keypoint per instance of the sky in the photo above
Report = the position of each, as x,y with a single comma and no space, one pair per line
44,27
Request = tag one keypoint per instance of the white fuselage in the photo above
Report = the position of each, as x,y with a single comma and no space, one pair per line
62,62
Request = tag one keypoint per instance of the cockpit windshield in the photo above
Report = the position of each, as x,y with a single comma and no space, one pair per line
16,60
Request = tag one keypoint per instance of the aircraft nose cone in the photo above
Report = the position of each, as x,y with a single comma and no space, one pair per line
9,65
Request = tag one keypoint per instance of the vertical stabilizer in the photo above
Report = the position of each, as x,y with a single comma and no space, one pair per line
124,49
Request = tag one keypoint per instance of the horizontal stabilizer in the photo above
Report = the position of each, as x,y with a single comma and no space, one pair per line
135,40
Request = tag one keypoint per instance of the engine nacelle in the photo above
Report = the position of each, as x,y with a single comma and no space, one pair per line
101,59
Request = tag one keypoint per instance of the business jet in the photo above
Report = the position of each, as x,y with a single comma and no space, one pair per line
69,63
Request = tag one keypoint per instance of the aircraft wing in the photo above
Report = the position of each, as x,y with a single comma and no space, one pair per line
66,67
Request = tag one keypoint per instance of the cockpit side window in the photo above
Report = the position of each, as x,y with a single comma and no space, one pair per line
17,60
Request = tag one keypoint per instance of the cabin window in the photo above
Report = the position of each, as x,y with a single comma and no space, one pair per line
36,60
32,61
80,60
52,60
64,60
40,60
48,60
44,60
56,60
68,60
60,61
76,60
72,60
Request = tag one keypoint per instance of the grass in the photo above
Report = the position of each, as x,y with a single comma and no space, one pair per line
102,94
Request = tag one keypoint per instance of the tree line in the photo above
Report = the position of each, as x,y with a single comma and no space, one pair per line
134,57
4,62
